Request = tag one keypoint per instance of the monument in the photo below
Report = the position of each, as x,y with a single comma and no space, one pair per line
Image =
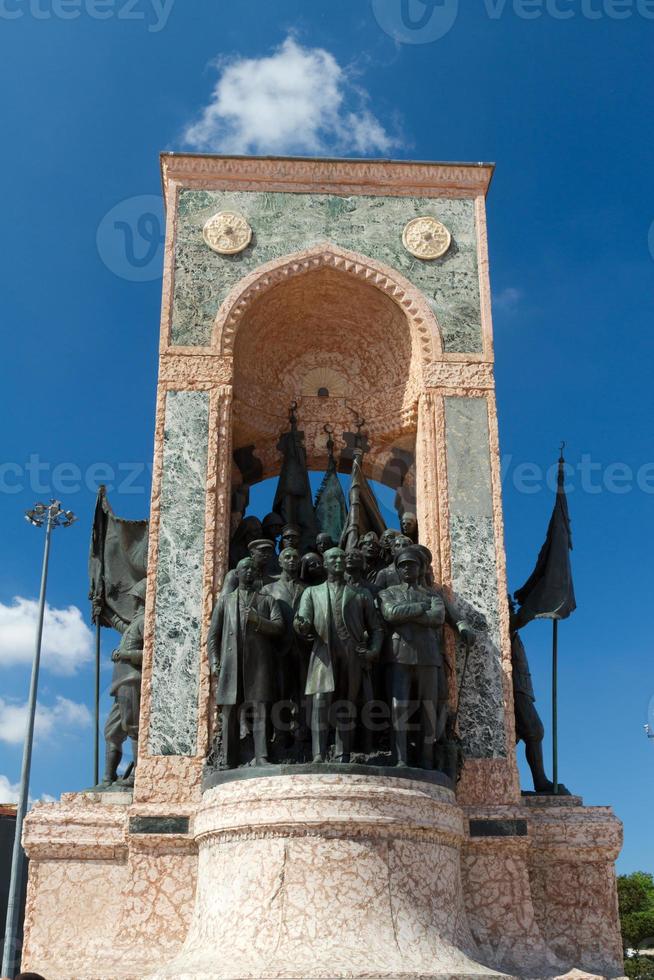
265,836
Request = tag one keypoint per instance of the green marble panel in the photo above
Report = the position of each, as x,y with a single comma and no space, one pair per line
474,574
178,613
285,223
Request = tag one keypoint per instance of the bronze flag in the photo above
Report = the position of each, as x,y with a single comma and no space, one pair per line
364,514
118,561
331,509
293,498
549,592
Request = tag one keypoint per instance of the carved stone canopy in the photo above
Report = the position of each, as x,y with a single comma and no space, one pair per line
335,343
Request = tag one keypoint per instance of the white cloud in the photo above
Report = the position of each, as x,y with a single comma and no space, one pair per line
67,640
507,299
61,718
296,100
8,791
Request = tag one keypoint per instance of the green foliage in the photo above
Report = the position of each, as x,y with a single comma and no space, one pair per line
639,968
635,892
636,898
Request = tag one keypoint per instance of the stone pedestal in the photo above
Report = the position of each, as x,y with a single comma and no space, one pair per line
328,876
321,876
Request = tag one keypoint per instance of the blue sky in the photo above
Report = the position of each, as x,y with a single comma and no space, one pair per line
558,95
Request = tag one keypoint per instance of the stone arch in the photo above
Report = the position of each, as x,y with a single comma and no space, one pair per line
425,330
343,336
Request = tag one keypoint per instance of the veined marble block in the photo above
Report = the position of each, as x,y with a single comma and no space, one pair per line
180,569
474,572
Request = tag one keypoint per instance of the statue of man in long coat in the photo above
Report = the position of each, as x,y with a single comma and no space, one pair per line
347,637
292,649
242,655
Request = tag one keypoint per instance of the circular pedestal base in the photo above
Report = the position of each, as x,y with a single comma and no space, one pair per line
218,777
328,876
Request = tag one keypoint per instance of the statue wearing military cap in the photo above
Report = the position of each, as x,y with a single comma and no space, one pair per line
415,616
390,575
262,553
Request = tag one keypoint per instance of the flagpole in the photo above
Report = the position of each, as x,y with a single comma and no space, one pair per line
555,740
355,510
96,741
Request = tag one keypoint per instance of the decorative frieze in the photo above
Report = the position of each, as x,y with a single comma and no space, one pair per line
476,375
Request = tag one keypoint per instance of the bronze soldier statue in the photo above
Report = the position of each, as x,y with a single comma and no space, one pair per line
390,575
348,637
123,720
262,553
415,615
528,725
455,607
456,611
243,659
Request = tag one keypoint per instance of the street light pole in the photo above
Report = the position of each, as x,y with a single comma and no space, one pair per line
52,516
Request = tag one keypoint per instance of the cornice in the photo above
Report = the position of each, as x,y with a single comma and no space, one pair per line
395,178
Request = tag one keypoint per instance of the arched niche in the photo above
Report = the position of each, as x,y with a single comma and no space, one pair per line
341,335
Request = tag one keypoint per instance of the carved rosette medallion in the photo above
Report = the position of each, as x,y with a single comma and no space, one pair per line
227,233
426,238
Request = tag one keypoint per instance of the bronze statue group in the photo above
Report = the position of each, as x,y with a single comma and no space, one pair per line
332,655
326,641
